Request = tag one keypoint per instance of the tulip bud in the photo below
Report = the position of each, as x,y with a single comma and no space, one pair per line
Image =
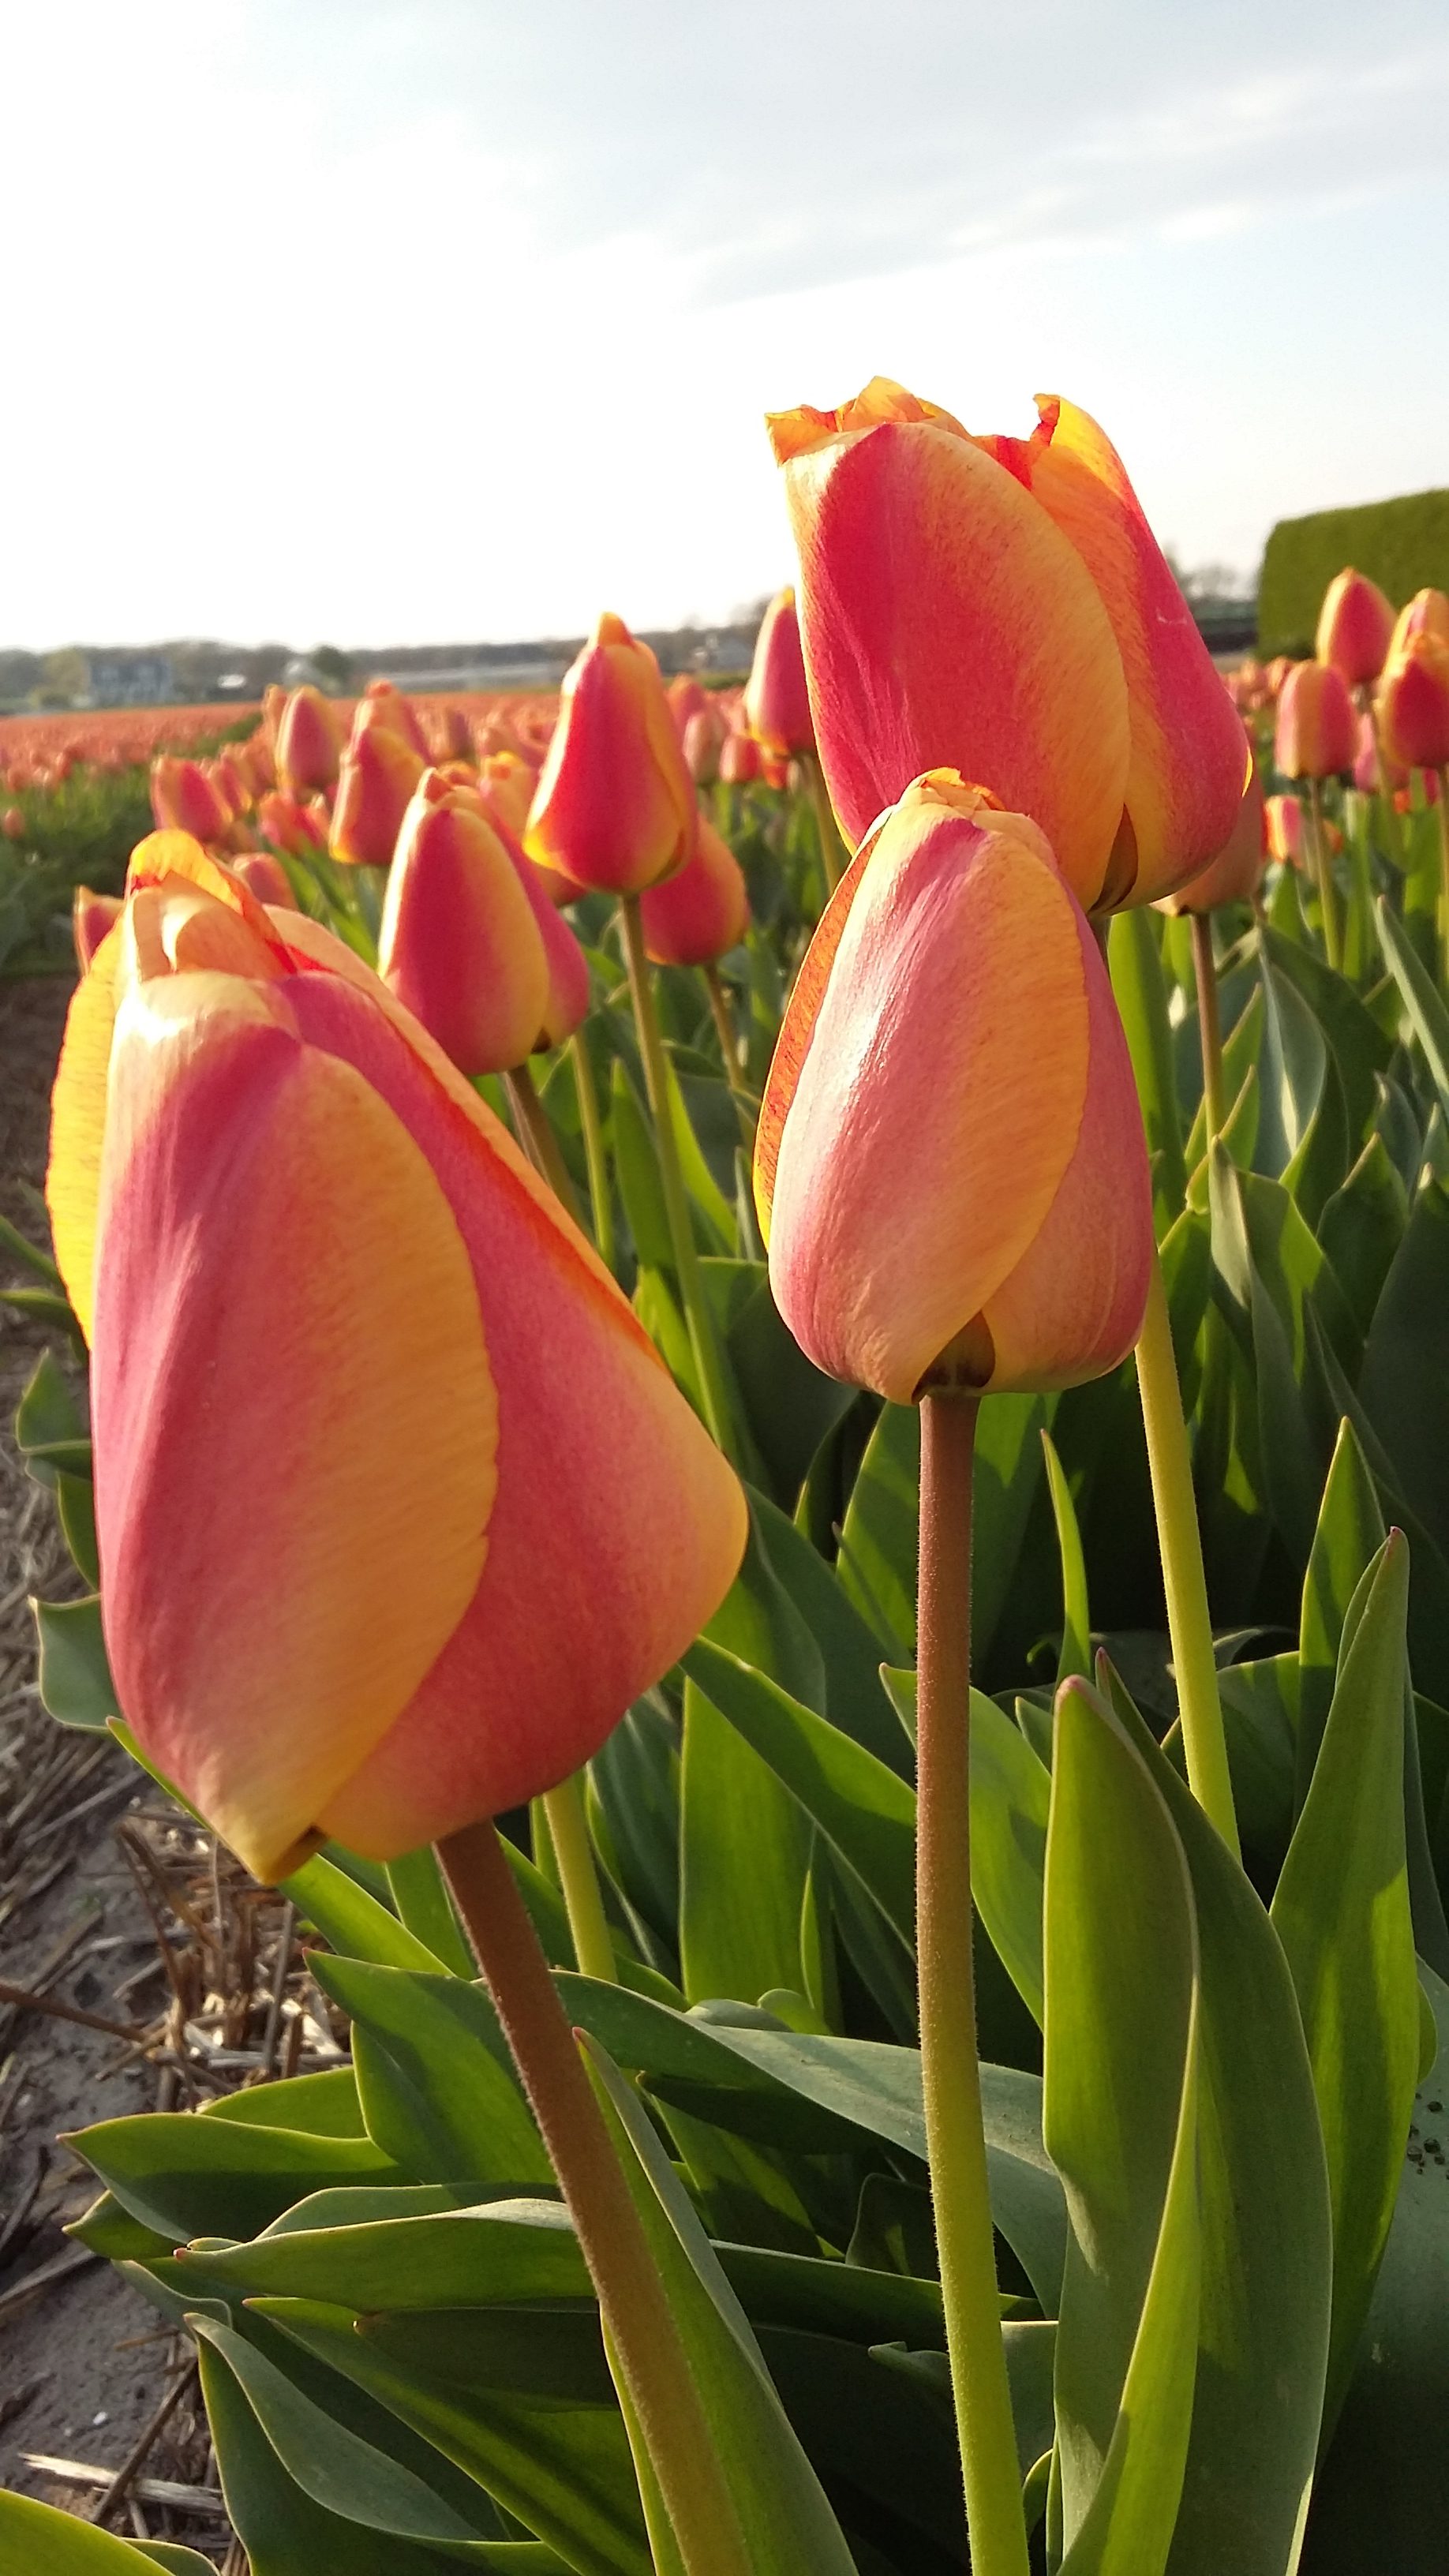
455,735
688,697
739,759
1277,672
950,1168
274,702
266,878
183,799
1413,702
1368,764
506,784
1233,875
12,823
1427,613
1354,627
498,732
388,706
777,704
698,915
349,1592
615,804
309,744
1316,731
291,827
1002,605
1285,830
379,772
704,737
91,916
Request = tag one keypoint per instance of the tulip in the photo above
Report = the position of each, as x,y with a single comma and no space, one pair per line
739,759
266,878
697,916
506,784
1354,627
1367,764
704,738
455,735
1413,702
295,828
309,744
1284,817
777,704
91,916
1277,672
379,772
470,947
688,697
1232,877
12,823
183,799
340,1339
388,706
1426,613
274,703
615,804
1001,605
950,1170
1316,732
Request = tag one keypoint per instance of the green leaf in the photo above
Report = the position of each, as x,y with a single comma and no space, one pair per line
865,1809
1135,964
1075,1655
420,1894
38,2540
636,1168
1120,2124
434,2076
1427,1014
1356,1042
739,1929
878,1538
1342,1912
506,2252
324,2105
75,1673
1010,1799
354,1922
699,1181
785,2519
850,1655
193,2177
1404,1385
1349,1535
48,1416
792,1405
22,1249
1362,1227
75,1501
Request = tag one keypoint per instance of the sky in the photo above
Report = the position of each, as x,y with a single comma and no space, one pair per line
357,321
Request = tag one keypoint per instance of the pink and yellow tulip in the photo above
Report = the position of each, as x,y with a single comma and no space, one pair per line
309,744
950,1169
380,769
1413,701
1354,627
1001,605
340,1338
696,917
1232,877
1317,732
185,799
777,702
614,809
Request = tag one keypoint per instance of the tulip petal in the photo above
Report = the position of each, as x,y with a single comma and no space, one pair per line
912,1176
796,1031
281,1275
78,1125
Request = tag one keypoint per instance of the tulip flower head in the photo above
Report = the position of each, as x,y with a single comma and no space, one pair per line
696,917
950,1169
1426,613
309,744
1232,877
298,829
184,799
704,737
1413,701
91,916
1367,765
615,803
1354,627
265,878
688,697
389,706
379,772
777,703
341,1337
1317,732
739,759
1284,817
469,944
1001,605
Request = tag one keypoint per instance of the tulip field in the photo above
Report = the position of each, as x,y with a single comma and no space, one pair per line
751,1384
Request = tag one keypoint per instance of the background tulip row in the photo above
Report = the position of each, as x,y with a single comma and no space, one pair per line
1209,2093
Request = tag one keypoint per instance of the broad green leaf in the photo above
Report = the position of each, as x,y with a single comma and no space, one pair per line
699,1181
1427,1014
75,1501
1382,2494
1342,1912
1135,964
1010,1799
1120,2124
75,1674
38,2540
424,1905
1075,1655
636,1169
355,1924
878,1539
1362,1227
563,2471
1349,1535
505,2252
434,2075
1404,1384
50,1429
791,1404
322,2106
739,1928
1356,1042
784,2517
1429,1592
1008,1475
866,1810
849,1653
192,2177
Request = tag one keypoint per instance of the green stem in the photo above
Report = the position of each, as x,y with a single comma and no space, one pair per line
640,2330
724,1025
708,1365
950,2068
830,845
1393,827
601,1196
1180,1546
1209,1022
536,1136
1444,860
1323,876
568,1827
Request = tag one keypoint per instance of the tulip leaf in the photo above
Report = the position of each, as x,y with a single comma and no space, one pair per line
39,2540
1135,963
1342,1912
1356,1042
434,2075
791,1405
426,1909
878,1539
1120,2124
636,1167
202,2177
1427,1014
1075,1654
49,1421
699,1181
324,2105
1349,1535
75,1674
1362,1227
563,2471
355,1924
1010,1798
854,1698
739,1931
1404,1385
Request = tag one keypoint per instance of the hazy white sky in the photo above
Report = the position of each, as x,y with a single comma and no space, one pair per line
390,320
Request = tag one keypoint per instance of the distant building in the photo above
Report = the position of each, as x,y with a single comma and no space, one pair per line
130,679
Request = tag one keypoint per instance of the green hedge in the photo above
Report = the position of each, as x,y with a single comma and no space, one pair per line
1402,545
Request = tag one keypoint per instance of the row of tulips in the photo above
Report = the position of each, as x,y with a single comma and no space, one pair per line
1073,2183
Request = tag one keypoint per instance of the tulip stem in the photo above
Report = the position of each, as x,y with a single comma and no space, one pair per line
601,1197
724,1024
568,1827
1323,876
1393,829
708,1365
1209,1022
825,823
536,1136
1179,1544
950,2068
641,2334
1443,775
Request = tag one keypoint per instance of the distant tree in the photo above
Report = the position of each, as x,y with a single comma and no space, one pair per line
333,664
64,677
